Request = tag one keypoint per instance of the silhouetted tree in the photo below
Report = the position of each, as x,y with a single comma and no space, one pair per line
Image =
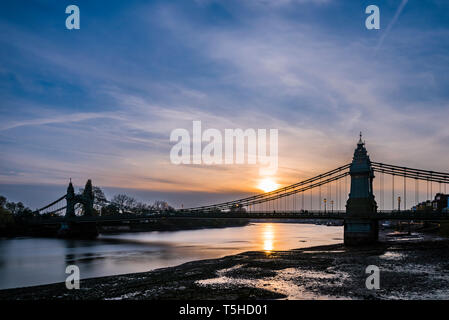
6,217
109,210
12,213
2,201
124,203
141,208
161,206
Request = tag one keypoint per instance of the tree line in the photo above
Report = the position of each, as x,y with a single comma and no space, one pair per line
12,214
124,204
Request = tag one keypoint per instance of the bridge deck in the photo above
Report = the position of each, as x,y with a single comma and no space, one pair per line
381,215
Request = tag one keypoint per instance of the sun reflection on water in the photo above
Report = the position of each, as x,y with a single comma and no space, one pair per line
268,237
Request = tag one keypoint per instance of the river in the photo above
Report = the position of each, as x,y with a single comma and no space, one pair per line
34,261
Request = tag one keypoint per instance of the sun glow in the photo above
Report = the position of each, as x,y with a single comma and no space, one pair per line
267,185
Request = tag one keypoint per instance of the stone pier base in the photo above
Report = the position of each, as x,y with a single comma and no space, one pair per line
360,231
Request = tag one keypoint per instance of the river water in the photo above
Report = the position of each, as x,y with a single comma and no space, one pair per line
34,261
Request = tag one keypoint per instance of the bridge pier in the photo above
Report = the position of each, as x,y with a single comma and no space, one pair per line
360,231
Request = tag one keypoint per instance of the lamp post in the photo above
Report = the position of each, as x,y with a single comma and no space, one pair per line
332,206
325,200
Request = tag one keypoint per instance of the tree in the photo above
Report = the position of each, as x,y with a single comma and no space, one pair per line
123,202
141,208
109,210
18,209
6,217
2,201
161,206
10,213
6,220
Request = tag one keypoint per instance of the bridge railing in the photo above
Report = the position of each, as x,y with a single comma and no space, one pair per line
406,215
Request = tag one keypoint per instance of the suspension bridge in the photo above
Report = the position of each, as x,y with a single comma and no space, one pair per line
347,193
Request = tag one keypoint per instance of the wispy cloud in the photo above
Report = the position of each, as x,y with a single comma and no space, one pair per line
64,118
391,24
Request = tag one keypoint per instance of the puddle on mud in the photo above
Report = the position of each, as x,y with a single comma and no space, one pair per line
392,255
285,282
323,251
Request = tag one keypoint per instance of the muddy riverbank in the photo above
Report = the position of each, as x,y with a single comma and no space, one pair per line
411,267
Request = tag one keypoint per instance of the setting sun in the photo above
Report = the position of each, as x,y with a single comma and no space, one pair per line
267,185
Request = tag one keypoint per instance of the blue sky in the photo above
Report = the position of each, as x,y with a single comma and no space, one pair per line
100,102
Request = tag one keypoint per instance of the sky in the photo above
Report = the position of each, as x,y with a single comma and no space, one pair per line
100,102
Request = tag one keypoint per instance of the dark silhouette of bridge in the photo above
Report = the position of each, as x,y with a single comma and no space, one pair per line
358,207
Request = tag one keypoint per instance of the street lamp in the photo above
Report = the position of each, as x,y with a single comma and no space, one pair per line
325,200
332,205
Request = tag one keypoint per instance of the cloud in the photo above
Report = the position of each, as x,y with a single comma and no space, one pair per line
391,24
64,118
319,83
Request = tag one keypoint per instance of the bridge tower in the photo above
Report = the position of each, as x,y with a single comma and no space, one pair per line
70,199
359,227
86,199
71,227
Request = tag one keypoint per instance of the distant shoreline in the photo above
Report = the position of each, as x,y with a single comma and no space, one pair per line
161,225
